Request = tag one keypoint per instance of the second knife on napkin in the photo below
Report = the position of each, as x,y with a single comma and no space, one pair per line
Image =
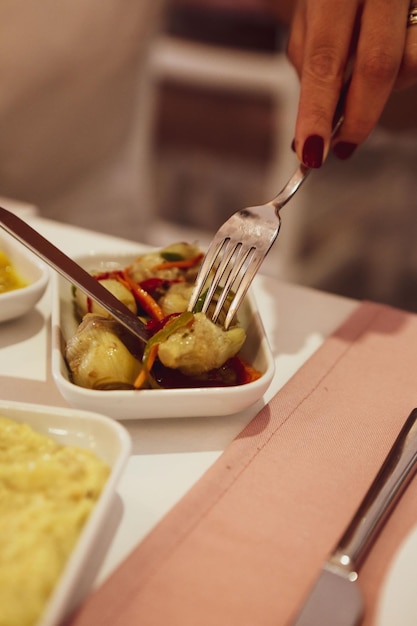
336,597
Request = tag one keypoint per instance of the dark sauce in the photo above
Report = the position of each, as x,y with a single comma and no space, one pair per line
233,372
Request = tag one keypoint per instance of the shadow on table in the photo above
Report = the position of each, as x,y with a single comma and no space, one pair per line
21,329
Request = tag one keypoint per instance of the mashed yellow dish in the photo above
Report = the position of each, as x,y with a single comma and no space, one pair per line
9,278
47,492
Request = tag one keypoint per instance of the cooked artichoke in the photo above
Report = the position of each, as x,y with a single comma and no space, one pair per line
201,348
176,298
144,266
98,358
85,305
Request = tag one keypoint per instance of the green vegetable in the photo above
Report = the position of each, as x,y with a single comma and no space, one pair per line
170,327
172,256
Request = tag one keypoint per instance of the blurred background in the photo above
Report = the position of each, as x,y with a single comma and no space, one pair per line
157,121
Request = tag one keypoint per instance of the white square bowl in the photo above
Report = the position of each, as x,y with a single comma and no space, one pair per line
155,403
109,441
30,268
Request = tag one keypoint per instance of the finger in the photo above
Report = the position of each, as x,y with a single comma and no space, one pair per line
408,71
378,58
296,38
330,27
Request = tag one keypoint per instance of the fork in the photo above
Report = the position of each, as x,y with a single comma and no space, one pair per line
238,249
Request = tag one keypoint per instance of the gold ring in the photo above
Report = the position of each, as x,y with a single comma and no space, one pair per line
412,16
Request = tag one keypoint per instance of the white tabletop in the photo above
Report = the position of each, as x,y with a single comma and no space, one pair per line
168,456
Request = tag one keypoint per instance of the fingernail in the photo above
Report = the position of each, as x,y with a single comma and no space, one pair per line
344,149
293,145
313,151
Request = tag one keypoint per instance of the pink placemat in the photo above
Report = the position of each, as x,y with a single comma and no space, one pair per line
244,546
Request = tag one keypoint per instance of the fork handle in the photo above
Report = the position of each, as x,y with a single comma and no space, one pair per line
302,170
290,188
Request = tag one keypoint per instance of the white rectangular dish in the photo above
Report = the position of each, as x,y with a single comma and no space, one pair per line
109,441
155,403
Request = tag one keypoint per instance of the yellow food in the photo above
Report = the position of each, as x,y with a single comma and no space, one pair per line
47,492
9,278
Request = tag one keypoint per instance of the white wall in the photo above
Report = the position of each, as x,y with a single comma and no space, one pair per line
70,81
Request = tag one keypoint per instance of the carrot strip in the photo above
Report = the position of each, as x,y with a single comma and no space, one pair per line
144,298
123,282
147,366
245,372
181,264
251,374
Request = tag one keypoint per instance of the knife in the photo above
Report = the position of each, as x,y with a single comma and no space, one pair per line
72,272
336,599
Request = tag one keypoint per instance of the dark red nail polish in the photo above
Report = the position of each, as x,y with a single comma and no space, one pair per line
313,151
344,149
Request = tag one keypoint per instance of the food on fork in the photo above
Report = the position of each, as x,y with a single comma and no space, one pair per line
184,349
47,492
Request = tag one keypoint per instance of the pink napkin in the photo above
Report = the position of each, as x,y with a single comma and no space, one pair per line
244,546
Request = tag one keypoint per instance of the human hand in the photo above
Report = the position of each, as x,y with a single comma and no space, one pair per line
369,39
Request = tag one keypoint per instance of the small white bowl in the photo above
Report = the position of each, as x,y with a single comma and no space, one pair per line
31,269
111,442
156,403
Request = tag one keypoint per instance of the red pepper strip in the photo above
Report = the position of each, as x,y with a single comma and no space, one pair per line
111,274
182,264
152,284
144,298
154,326
147,366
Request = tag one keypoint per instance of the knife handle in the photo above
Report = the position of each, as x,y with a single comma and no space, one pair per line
390,483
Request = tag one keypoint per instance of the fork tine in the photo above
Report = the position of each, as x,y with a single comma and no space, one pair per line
241,261
245,281
226,253
204,272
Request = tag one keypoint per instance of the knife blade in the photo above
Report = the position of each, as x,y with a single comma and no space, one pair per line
336,598
73,272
